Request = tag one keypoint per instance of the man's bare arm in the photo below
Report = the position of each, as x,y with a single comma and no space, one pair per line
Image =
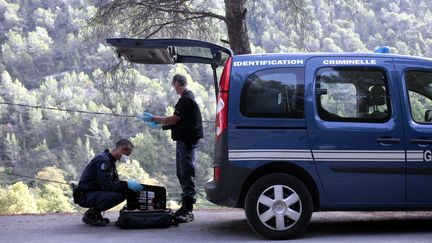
166,120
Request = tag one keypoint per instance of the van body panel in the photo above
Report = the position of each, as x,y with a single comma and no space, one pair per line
352,165
228,189
419,161
249,146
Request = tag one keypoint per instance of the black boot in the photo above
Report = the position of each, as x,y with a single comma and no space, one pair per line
106,220
93,217
184,213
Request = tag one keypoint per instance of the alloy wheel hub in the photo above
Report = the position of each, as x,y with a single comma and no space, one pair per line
279,208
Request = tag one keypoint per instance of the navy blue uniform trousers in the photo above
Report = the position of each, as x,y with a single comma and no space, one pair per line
185,162
101,200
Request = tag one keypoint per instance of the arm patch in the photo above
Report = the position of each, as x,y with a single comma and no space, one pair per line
103,166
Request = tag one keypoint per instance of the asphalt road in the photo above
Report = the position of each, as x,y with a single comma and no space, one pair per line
225,225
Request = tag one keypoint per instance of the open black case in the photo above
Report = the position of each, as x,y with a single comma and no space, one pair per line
150,198
146,209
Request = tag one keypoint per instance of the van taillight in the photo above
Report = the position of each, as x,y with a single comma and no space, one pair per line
216,173
221,114
222,100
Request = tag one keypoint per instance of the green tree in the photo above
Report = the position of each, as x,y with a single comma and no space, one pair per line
2,110
16,42
53,197
84,151
184,18
146,150
3,204
45,18
100,136
9,12
133,170
38,156
14,91
17,199
35,117
11,149
52,173
39,42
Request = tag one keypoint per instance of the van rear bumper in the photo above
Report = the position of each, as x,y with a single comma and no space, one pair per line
228,189
217,196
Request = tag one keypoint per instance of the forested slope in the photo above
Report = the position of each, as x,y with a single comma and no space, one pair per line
50,57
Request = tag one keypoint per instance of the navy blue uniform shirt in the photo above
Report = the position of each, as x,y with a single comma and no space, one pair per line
101,175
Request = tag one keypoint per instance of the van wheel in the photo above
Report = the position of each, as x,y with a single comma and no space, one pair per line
278,206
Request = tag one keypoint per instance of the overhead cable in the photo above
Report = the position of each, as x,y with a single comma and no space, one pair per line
75,110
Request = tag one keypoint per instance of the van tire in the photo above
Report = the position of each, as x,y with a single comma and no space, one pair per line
269,212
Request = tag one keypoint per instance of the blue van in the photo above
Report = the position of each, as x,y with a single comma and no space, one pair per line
300,133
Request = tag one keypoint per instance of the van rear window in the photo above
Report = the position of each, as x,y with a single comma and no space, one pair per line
274,93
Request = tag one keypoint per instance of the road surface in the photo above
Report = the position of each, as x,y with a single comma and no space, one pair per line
222,225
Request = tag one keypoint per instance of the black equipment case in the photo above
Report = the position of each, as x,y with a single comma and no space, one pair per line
146,209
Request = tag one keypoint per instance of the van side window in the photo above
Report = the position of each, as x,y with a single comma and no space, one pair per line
419,86
274,93
352,94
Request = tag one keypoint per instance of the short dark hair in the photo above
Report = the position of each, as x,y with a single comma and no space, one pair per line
181,79
123,143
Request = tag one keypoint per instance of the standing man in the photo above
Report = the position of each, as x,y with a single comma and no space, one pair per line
186,130
99,188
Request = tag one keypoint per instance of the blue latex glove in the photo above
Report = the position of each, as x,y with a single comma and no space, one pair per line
134,186
152,124
147,117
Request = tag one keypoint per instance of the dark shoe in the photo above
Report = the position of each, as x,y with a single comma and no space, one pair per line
185,217
93,217
187,205
106,220
93,221
180,211
184,213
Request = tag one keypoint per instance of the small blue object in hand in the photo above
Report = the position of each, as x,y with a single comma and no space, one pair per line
147,117
134,186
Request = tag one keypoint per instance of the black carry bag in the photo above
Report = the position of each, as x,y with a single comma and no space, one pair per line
146,209
141,219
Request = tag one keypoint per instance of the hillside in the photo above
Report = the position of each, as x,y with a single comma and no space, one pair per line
50,57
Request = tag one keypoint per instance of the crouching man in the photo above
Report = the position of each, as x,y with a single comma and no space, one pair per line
99,188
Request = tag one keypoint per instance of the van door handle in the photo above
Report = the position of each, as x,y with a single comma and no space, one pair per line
421,141
388,140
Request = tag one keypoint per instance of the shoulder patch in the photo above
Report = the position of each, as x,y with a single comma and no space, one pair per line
103,166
